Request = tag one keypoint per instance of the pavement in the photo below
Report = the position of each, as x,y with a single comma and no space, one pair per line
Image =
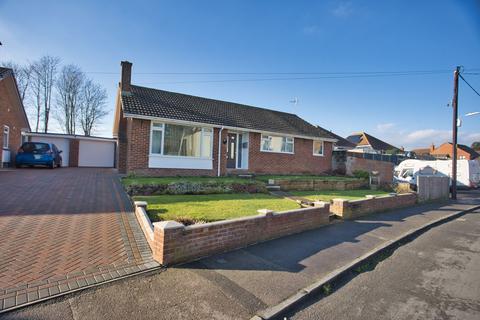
245,282
63,230
436,276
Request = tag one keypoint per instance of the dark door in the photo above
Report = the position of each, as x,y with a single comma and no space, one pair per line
231,150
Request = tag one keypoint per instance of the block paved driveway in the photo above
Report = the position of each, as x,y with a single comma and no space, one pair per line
64,229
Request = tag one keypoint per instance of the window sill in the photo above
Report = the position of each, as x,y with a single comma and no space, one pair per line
156,155
277,152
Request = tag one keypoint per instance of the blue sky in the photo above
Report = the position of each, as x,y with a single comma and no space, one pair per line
273,37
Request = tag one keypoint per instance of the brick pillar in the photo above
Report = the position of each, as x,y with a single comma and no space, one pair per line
341,208
166,235
73,153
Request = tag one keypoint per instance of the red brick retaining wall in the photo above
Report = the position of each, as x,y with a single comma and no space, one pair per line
318,185
350,209
174,243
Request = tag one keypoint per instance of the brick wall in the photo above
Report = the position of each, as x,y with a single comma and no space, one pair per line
350,209
174,243
133,156
12,115
302,161
384,168
318,185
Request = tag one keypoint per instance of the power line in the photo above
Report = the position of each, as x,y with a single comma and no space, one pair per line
301,78
469,85
276,73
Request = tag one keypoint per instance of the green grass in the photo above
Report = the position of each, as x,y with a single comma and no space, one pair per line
166,180
305,177
328,195
213,207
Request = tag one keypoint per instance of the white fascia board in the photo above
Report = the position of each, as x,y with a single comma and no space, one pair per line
68,136
136,116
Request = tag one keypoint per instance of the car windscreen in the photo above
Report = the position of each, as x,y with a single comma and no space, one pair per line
35,147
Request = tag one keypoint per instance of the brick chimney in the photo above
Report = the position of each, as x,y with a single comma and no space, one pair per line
126,79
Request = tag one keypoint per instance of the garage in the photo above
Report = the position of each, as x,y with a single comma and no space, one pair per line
96,153
80,151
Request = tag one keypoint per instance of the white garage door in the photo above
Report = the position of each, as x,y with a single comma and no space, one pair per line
61,143
96,153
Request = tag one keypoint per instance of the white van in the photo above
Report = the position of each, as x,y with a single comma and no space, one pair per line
468,171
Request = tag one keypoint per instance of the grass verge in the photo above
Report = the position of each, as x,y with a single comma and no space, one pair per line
208,208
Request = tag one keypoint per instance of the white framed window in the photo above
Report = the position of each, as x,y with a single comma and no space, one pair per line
318,147
181,140
278,144
6,137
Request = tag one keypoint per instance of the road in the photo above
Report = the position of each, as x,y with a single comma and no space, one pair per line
436,276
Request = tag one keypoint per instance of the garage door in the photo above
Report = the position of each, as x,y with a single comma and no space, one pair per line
61,143
96,153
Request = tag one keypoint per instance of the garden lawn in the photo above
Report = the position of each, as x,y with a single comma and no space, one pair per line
209,208
332,194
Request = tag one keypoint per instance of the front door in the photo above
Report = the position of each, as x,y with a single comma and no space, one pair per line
232,151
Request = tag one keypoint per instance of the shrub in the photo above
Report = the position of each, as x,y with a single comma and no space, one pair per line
361,174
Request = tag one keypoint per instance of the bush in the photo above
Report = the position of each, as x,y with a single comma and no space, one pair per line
191,187
361,174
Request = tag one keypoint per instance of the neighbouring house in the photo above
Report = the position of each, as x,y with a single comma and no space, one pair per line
367,143
13,119
342,144
445,151
424,153
167,133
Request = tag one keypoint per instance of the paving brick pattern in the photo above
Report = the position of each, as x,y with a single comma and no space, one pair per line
65,229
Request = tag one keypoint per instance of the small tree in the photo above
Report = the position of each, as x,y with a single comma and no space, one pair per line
476,146
69,96
92,108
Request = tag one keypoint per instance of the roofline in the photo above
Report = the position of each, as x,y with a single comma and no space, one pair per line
71,136
130,115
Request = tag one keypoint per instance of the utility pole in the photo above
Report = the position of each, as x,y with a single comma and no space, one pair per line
455,130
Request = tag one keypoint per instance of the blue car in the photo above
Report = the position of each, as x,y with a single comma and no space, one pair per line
38,153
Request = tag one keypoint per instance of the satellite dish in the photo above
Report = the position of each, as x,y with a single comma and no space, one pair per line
294,101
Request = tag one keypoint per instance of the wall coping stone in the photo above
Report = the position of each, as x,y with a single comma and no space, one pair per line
142,204
168,225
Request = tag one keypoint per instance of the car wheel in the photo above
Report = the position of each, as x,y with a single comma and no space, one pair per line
17,166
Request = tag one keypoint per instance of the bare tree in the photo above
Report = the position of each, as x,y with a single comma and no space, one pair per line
69,87
44,72
92,108
23,75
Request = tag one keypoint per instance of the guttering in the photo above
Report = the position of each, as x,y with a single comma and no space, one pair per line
67,136
130,115
219,150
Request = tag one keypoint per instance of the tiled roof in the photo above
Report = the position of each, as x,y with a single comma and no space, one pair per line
364,138
149,102
342,142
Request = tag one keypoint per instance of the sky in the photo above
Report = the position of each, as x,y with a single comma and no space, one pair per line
257,41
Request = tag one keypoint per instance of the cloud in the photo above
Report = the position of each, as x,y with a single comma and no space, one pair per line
382,127
312,30
343,10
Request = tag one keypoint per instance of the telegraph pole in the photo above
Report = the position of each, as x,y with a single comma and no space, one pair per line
455,130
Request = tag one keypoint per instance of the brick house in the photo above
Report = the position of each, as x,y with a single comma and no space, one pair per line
166,133
445,151
13,119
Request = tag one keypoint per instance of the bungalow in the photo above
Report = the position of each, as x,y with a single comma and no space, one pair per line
366,143
167,133
13,119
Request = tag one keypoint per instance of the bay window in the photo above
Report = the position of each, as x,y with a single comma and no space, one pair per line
276,144
317,148
181,140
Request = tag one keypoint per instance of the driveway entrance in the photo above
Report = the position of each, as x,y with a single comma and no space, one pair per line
64,229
